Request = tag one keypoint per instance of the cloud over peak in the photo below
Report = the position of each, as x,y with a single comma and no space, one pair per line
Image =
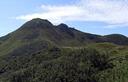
111,12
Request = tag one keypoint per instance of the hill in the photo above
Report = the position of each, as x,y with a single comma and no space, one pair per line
42,52
60,35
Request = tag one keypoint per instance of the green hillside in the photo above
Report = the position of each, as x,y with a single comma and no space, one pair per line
42,52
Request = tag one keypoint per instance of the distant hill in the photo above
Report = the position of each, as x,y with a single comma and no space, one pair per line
117,39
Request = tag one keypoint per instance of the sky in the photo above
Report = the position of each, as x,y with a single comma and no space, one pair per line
93,16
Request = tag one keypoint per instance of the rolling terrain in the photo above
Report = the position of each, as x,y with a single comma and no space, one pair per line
42,52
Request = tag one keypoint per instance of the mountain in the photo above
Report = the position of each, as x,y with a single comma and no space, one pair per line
45,30
42,52
40,30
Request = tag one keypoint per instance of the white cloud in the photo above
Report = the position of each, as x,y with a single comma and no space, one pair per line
55,13
111,12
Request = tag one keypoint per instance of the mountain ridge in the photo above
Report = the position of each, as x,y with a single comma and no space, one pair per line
37,28
41,30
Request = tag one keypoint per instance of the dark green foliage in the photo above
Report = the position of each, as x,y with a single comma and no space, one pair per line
100,61
55,65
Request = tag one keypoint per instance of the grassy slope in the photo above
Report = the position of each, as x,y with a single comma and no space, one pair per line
67,63
119,55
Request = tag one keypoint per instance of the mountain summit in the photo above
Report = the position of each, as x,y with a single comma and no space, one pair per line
37,22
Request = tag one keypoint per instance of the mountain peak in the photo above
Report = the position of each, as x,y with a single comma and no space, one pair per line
37,23
37,20
41,21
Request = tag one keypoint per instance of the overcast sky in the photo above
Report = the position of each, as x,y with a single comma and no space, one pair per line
93,16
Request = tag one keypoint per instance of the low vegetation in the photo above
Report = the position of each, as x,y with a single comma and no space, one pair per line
52,64
42,52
